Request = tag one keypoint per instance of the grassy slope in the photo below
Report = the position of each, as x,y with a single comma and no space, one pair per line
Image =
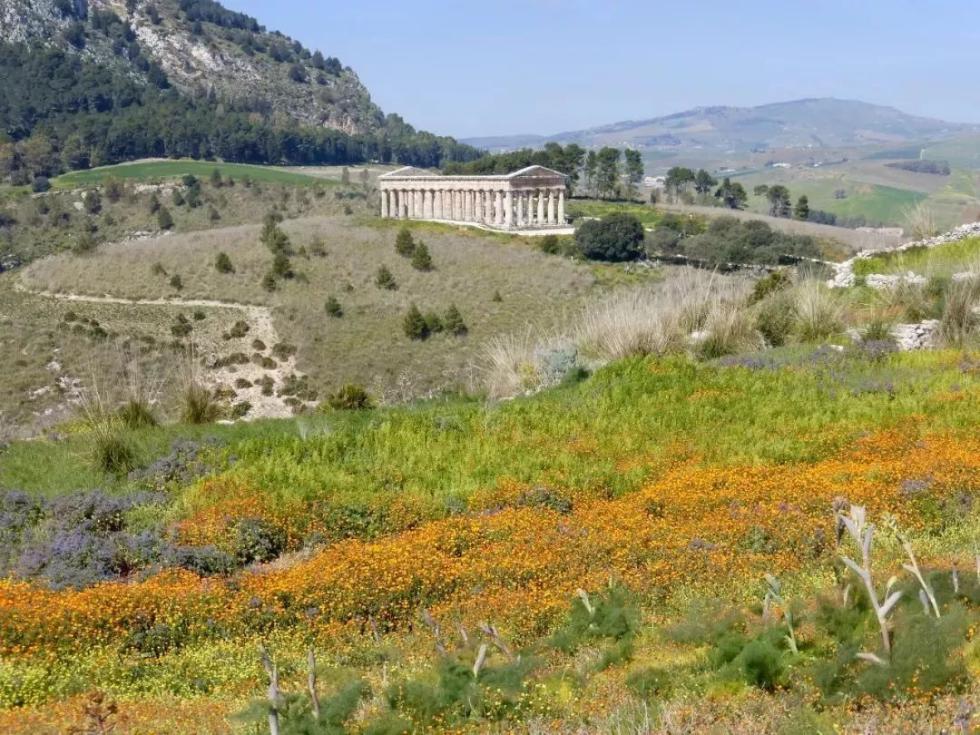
945,260
158,170
630,427
367,344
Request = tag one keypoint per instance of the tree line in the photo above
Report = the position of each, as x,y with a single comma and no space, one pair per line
608,173
59,111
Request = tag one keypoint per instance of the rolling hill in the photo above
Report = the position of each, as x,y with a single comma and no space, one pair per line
805,123
95,82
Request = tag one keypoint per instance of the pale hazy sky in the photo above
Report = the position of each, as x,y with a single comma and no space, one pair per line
543,66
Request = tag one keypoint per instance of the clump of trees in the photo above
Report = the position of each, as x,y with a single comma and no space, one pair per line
726,240
615,238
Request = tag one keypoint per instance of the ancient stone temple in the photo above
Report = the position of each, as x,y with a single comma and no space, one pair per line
532,198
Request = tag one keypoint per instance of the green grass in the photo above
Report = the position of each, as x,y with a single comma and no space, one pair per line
152,170
599,208
575,437
944,260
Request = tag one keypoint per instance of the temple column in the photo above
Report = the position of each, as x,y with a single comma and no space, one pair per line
426,203
520,208
561,206
528,214
540,208
454,205
487,207
384,204
400,204
419,204
551,207
467,206
508,209
498,210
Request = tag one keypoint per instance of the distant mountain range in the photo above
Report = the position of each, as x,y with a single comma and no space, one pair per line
805,123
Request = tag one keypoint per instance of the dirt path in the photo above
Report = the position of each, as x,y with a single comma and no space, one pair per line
261,327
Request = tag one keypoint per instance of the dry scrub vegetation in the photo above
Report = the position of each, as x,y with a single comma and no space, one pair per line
499,284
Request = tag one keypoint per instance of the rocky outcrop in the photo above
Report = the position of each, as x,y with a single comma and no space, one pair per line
844,272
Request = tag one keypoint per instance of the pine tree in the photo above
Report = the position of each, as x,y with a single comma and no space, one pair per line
414,324
454,322
802,209
421,260
222,264
385,280
405,243
164,220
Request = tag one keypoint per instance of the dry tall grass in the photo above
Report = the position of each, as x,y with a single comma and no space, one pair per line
819,312
920,221
960,320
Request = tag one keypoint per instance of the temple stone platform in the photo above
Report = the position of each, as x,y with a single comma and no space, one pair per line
530,201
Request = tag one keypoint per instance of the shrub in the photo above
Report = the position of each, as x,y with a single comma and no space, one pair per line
384,279
283,351
157,269
199,405
414,324
454,323
239,329
318,247
421,259
164,220
223,264
960,320
819,313
182,327
549,244
282,267
257,540
177,198
269,282
334,308
350,397
199,316
730,329
84,245
176,282
40,184
775,317
92,201
405,243
112,452
770,284
434,323
137,413
615,238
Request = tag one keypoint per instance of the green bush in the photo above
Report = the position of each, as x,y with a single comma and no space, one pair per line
775,318
415,325
176,282
769,284
112,452
222,263
615,238
433,323
405,243
454,323
269,282
350,397
137,414
549,244
334,308
384,279
282,267
199,406
421,259
257,540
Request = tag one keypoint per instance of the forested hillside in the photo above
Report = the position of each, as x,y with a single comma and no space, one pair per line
92,83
